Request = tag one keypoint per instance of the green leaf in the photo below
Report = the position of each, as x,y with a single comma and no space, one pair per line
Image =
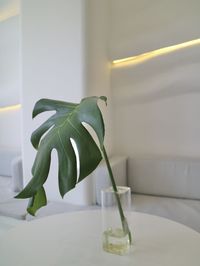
37,201
56,133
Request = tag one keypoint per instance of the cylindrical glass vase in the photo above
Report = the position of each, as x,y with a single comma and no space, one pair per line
115,236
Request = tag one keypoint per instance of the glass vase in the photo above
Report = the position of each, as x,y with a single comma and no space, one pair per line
115,236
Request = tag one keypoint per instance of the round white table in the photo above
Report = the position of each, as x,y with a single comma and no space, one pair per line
75,239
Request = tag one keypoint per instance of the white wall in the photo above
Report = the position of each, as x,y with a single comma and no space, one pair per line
52,67
97,65
10,61
156,103
97,70
10,120
141,25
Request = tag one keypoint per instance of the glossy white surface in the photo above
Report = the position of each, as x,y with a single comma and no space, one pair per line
75,239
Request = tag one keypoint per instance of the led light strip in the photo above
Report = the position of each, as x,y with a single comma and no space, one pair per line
149,55
10,108
4,15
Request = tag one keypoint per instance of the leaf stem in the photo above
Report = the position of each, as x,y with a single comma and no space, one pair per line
121,213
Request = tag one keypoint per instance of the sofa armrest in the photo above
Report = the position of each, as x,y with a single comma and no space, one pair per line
17,174
6,157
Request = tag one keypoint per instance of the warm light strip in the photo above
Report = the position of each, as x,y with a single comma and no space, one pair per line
4,15
10,108
149,55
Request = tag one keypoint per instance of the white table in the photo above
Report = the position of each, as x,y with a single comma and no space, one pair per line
75,239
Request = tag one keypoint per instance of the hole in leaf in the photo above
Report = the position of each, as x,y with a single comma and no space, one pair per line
77,158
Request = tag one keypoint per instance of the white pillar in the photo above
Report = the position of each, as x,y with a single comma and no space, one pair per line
52,67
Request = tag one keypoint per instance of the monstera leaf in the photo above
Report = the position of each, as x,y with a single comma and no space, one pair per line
57,133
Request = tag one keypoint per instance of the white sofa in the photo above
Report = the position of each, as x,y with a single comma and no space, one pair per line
10,182
10,173
16,208
168,187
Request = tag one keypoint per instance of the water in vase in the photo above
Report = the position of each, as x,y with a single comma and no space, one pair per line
116,241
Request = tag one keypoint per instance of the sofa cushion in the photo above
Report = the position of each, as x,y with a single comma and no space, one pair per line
184,211
173,177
